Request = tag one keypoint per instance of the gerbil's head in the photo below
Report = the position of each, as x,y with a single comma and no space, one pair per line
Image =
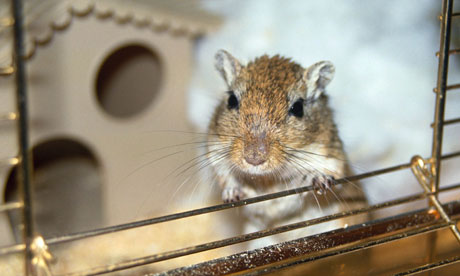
272,106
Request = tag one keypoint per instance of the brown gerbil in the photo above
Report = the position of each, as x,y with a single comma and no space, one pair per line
274,130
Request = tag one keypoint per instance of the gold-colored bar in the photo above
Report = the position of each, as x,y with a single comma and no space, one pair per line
10,206
454,86
42,257
9,161
442,212
10,116
441,87
308,247
449,122
451,52
13,248
24,168
6,21
6,71
220,207
234,240
215,208
52,241
425,177
358,247
430,266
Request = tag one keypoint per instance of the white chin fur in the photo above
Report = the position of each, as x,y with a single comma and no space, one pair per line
257,170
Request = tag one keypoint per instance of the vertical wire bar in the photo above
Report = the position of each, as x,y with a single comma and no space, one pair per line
438,128
443,67
438,125
24,166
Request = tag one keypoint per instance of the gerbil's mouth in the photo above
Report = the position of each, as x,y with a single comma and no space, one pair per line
260,169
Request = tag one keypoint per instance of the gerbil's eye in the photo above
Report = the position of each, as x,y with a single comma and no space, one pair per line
297,108
232,102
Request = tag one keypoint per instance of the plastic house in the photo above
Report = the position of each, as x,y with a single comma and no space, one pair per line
106,83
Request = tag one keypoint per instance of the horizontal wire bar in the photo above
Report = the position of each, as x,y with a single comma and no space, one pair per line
6,21
242,238
435,201
451,52
449,122
215,208
453,86
452,121
450,155
12,249
10,116
417,169
219,207
455,14
9,161
251,236
210,209
315,244
350,249
6,71
431,266
10,206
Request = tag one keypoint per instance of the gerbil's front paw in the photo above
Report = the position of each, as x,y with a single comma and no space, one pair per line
322,183
232,194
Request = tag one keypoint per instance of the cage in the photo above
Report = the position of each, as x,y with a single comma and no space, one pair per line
427,237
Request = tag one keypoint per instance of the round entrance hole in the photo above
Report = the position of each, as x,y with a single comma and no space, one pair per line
128,81
66,186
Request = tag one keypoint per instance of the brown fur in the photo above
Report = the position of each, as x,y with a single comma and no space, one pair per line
266,88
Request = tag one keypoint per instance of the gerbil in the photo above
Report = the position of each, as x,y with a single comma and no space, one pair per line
273,130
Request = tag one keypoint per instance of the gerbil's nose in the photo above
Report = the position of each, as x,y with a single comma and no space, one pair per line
256,151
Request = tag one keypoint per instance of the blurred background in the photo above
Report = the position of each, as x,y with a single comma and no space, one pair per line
121,93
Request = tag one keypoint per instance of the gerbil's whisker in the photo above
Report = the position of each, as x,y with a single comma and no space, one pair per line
178,131
194,132
201,144
304,153
309,153
342,202
193,162
317,201
177,190
149,163
294,160
215,151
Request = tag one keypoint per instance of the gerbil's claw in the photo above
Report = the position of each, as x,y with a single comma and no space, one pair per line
321,184
232,194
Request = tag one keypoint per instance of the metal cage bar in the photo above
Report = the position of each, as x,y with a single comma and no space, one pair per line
431,266
25,164
10,206
433,177
210,209
255,235
321,242
441,88
453,86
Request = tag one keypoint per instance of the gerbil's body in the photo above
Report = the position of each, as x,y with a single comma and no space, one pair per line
274,131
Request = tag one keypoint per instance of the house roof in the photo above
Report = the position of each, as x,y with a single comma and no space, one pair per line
45,17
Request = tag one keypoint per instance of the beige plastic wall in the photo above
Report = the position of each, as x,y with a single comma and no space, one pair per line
63,104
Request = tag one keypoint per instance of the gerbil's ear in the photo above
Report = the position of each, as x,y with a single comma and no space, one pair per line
228,66
317,77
